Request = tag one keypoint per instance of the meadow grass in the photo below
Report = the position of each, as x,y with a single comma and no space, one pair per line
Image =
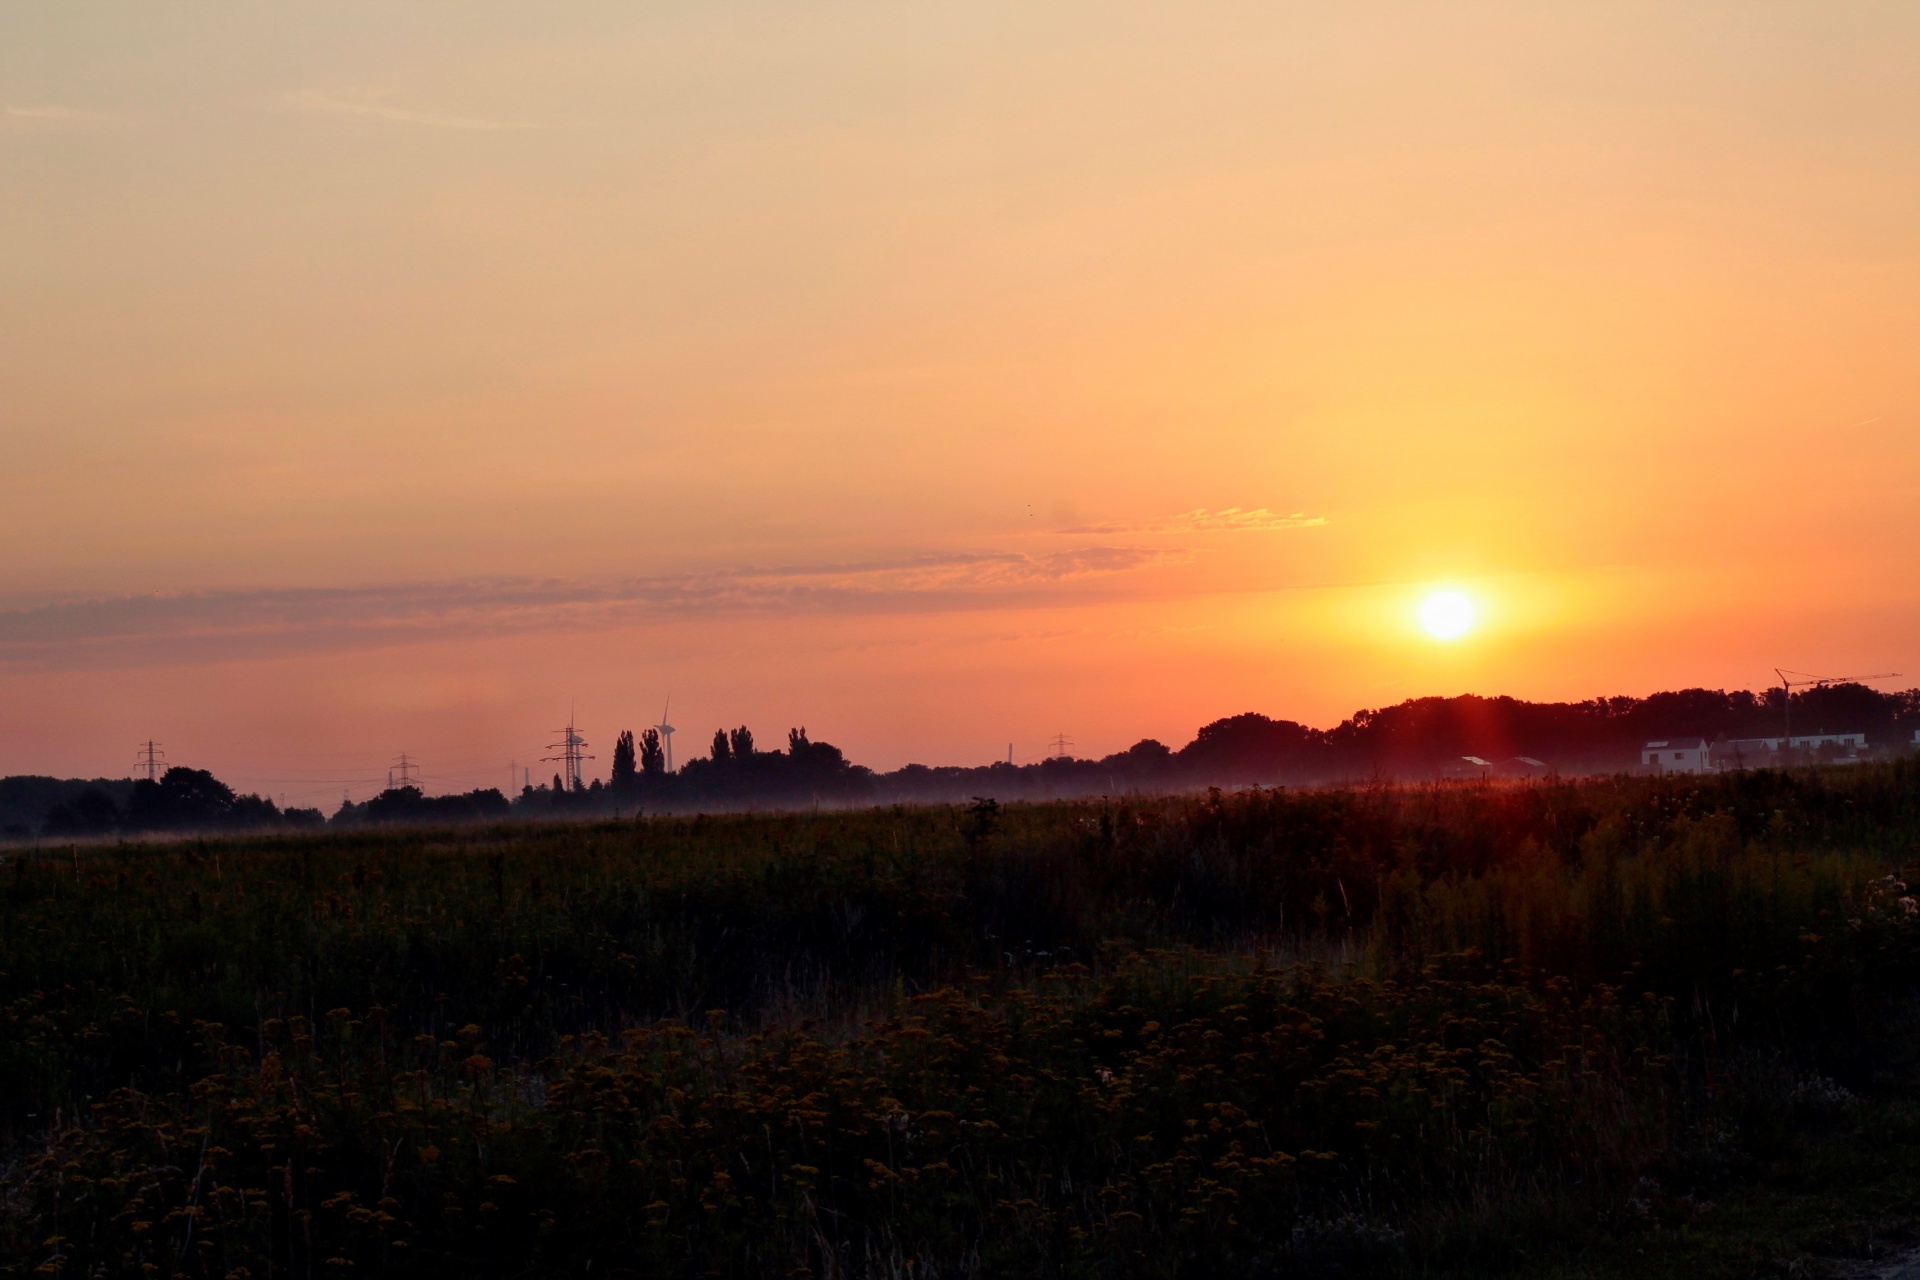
1446,1030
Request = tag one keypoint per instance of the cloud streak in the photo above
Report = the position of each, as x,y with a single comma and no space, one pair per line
1201,520
236,623
370,105
48,114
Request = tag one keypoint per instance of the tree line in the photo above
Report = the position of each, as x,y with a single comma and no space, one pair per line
1410,741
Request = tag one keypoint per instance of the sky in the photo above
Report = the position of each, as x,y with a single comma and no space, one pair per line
942,378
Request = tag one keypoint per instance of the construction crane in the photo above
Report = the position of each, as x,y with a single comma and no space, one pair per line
1810,681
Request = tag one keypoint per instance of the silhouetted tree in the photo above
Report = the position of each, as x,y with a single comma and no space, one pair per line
742,740
25,800
653,761
410,805
182,798
91,813
252,811
721,751
623,761
1250,748
1141,763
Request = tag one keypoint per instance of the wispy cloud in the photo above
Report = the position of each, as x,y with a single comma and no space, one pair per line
47,114
1201,520
202,625
371,104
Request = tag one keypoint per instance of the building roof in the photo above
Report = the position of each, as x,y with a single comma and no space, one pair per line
1676,744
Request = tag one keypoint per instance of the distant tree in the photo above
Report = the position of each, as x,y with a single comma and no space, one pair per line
90,813
653,761
182,798
818,769
410,805
721,751
623,761
1845,708
559,787
252,811
1249,748
742,741
25,799
1143,763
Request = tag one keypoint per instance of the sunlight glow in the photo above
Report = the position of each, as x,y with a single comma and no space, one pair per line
1446,615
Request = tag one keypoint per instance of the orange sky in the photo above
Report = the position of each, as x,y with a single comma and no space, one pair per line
382,378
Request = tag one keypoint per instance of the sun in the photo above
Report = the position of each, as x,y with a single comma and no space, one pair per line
1446,615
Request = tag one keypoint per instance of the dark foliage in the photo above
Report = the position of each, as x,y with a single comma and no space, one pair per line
91,813
25,800
411,806
1422,739
624,764
183,798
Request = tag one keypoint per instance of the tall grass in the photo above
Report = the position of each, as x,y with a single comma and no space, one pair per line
1269,1032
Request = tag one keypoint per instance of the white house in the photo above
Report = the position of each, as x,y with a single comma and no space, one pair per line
1676,755
1843,744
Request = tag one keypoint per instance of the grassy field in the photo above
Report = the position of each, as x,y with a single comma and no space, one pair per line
1628,1027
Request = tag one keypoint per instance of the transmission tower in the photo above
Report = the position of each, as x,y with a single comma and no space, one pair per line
1062,746
400,773
152,759
571,755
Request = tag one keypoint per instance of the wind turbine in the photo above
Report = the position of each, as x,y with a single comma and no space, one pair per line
666,733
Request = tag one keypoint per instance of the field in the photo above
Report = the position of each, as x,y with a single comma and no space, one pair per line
1598,1028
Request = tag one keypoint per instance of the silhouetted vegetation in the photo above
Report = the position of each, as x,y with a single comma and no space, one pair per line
1423,739
408,804
180,800
91,813
1383,1030
26,800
